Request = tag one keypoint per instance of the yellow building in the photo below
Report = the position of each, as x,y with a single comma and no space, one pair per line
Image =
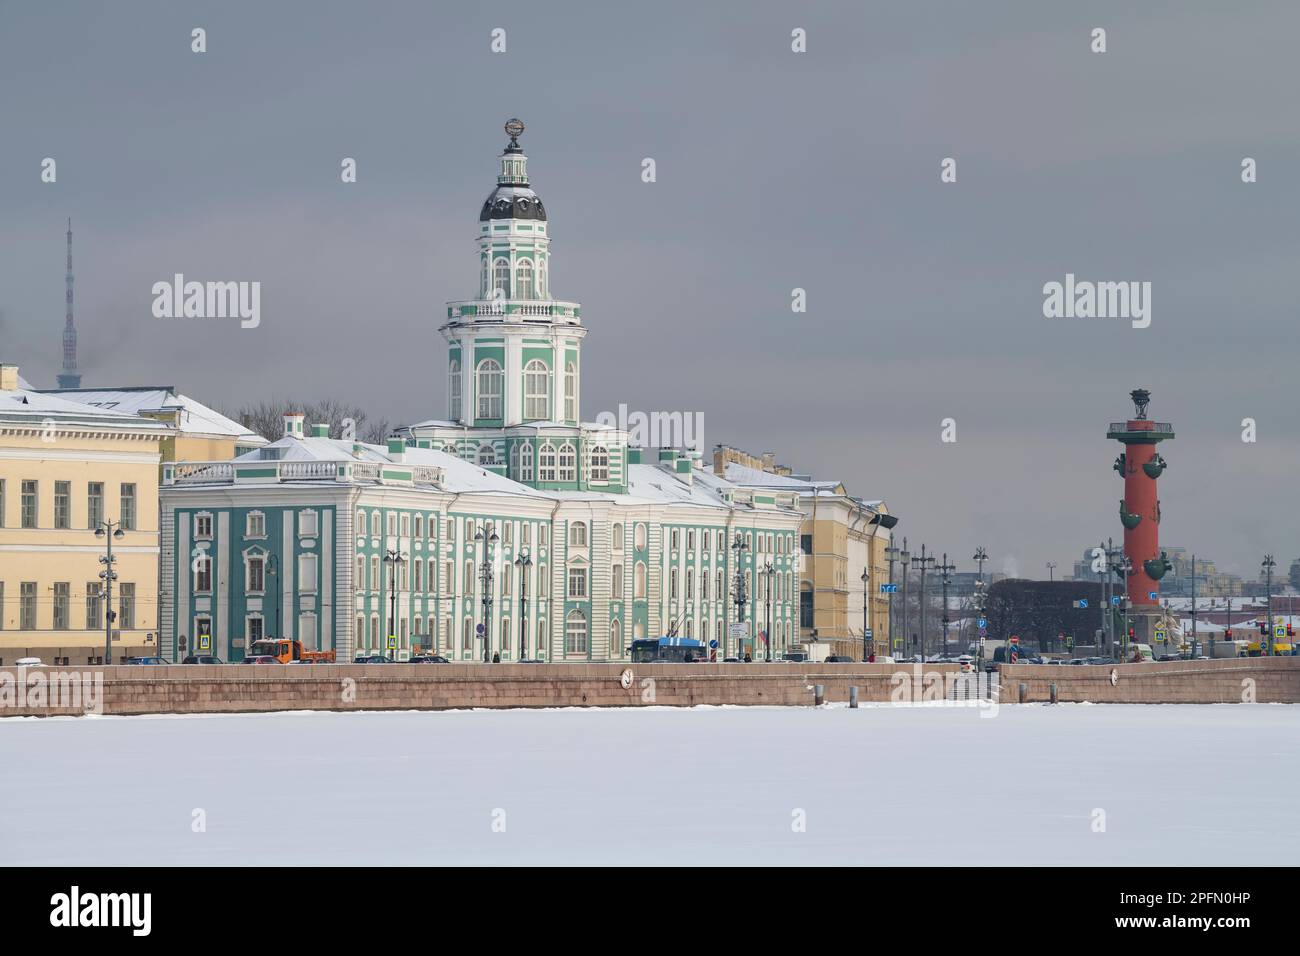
841,538
197,432
65,468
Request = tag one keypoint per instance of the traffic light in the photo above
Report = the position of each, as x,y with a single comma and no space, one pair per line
1288,630
1263,628
1132,632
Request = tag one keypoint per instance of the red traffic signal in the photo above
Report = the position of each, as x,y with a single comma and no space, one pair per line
1228,634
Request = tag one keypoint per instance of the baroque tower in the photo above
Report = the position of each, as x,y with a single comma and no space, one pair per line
514,356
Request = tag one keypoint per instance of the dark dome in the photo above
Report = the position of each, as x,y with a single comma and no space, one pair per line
512,202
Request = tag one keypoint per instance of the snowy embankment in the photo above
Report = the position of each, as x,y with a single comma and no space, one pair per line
1118,784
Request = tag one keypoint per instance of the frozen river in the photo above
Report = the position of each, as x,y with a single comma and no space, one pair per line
1077,784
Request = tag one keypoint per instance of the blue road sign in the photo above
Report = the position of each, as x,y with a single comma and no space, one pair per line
1115,601
1153,595
888,588
713,644
982,623
1083,604
478,629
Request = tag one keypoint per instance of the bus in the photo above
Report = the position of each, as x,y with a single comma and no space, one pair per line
668,650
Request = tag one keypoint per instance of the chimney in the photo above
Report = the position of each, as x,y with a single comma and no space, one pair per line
719,461
8,378
293,424
320,430
396,449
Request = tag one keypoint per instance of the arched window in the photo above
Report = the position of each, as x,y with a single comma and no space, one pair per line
599,470
486,456
487,275
570,393
514,461
454,375
577,535
490,383
541,278
546,462
639,537
568,463
615,638
537,390
526,462
575,633
638,581
501,278
467,635
524,279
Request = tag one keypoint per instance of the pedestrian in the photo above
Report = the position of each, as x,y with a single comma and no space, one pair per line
496,657
871,658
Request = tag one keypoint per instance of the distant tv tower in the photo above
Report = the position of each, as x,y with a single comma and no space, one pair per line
70,377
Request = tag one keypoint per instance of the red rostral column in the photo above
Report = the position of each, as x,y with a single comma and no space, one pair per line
1139,509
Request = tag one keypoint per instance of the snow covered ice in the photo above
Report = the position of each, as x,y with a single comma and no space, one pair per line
1178,785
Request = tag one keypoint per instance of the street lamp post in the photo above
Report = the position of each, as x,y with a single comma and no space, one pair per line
108,530
1267,566
891,552
738,548
923,562
866,615
485,577
946,569
523,563
905,557
1051,571
273,570
980,556
393,559
769,571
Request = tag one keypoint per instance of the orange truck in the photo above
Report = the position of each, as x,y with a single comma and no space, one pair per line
285,650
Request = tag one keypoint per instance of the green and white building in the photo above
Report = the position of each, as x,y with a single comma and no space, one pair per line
580,543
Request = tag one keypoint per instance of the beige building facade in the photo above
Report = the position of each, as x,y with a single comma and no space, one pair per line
841,538
65,469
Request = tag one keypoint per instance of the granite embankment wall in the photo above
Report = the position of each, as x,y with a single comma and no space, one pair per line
1264,680
236,688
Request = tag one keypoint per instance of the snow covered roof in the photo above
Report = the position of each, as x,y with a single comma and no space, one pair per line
195,418
459,475
27,405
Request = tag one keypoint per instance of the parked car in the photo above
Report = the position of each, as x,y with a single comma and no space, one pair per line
838,659
145,660
374,659
202,659
261,659
29,662
428,659
794,657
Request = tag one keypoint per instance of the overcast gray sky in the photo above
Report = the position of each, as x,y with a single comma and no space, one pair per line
775,170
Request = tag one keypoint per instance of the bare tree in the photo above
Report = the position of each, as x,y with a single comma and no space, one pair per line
348,422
